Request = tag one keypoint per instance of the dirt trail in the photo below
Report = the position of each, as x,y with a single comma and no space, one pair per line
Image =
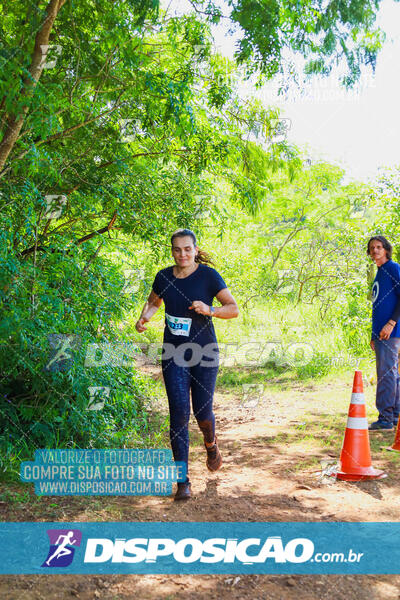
271,472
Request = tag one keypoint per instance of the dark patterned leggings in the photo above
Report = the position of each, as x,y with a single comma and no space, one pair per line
179,380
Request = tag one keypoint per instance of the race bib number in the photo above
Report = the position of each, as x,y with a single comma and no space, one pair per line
178,325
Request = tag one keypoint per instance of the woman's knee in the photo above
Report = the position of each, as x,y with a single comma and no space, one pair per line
179,421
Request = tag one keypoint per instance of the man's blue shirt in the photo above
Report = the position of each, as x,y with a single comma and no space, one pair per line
385,294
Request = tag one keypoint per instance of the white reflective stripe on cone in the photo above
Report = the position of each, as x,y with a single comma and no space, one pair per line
357,398
357,423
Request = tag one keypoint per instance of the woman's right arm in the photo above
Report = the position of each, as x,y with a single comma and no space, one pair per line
150,307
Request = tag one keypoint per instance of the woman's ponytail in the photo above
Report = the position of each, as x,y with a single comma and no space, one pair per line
204,258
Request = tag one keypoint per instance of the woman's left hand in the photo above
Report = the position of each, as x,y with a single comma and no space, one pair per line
200,307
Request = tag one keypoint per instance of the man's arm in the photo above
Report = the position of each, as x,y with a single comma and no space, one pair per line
396,313
388,328
390,325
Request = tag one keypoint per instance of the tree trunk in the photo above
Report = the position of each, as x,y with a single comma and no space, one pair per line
15,121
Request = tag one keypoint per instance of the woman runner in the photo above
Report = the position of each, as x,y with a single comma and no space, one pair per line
190,351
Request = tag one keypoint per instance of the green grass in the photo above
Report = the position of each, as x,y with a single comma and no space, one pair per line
290,338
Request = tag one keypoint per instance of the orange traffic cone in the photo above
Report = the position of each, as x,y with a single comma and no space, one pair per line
396,443
355,458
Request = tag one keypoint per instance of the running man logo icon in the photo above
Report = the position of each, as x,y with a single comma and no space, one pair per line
62,348
62,547
251,394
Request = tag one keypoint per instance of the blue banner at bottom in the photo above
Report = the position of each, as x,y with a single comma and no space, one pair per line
200,548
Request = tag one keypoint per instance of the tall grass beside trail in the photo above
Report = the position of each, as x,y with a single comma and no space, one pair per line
291,337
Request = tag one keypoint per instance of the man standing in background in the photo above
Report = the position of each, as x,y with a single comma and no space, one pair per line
385,336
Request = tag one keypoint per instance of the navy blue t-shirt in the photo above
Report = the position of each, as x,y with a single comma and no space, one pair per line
181,324
385,293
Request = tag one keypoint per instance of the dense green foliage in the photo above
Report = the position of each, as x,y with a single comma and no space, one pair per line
130,127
